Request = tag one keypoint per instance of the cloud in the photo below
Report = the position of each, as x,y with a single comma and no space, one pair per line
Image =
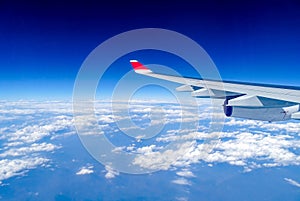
242,122
181,181
246,143
146,150
178,155
292,182
245,149
185,173
85,170
182,198
24,139
14,167
111,173
23,107
23,151
286,126
37,131
290,127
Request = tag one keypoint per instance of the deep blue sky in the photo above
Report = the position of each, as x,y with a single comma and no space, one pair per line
44,44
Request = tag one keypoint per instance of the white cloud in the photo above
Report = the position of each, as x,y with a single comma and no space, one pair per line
23,151
23,107
249,144
85,170
119,149
23,141
111,173
35,132
236,148
182,198
179,155
13,144
292,127
286,126
185,173
181,181
292,182
146,150
14,167
242,122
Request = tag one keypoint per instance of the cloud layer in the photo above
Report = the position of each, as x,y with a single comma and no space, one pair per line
29,130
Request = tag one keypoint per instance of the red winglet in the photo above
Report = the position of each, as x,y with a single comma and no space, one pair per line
137,65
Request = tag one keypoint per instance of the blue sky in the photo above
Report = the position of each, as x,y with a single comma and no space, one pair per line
44,44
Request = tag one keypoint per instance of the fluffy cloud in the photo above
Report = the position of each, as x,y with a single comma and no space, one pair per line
27,136
14,167
288,127
23,151
185,173
181,181
85,170
246,143
23,107
179,155
110,172
236,148
35,132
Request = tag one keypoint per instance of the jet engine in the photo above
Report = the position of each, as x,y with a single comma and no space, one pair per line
256,108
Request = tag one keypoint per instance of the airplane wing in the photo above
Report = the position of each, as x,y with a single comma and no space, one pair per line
244,100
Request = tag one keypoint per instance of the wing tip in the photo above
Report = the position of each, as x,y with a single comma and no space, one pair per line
137,66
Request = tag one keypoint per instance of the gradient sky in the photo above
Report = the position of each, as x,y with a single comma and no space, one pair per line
44,44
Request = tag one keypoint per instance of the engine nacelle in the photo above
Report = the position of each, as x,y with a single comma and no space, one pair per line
261,113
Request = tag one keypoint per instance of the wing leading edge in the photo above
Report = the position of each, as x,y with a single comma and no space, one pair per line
245,100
